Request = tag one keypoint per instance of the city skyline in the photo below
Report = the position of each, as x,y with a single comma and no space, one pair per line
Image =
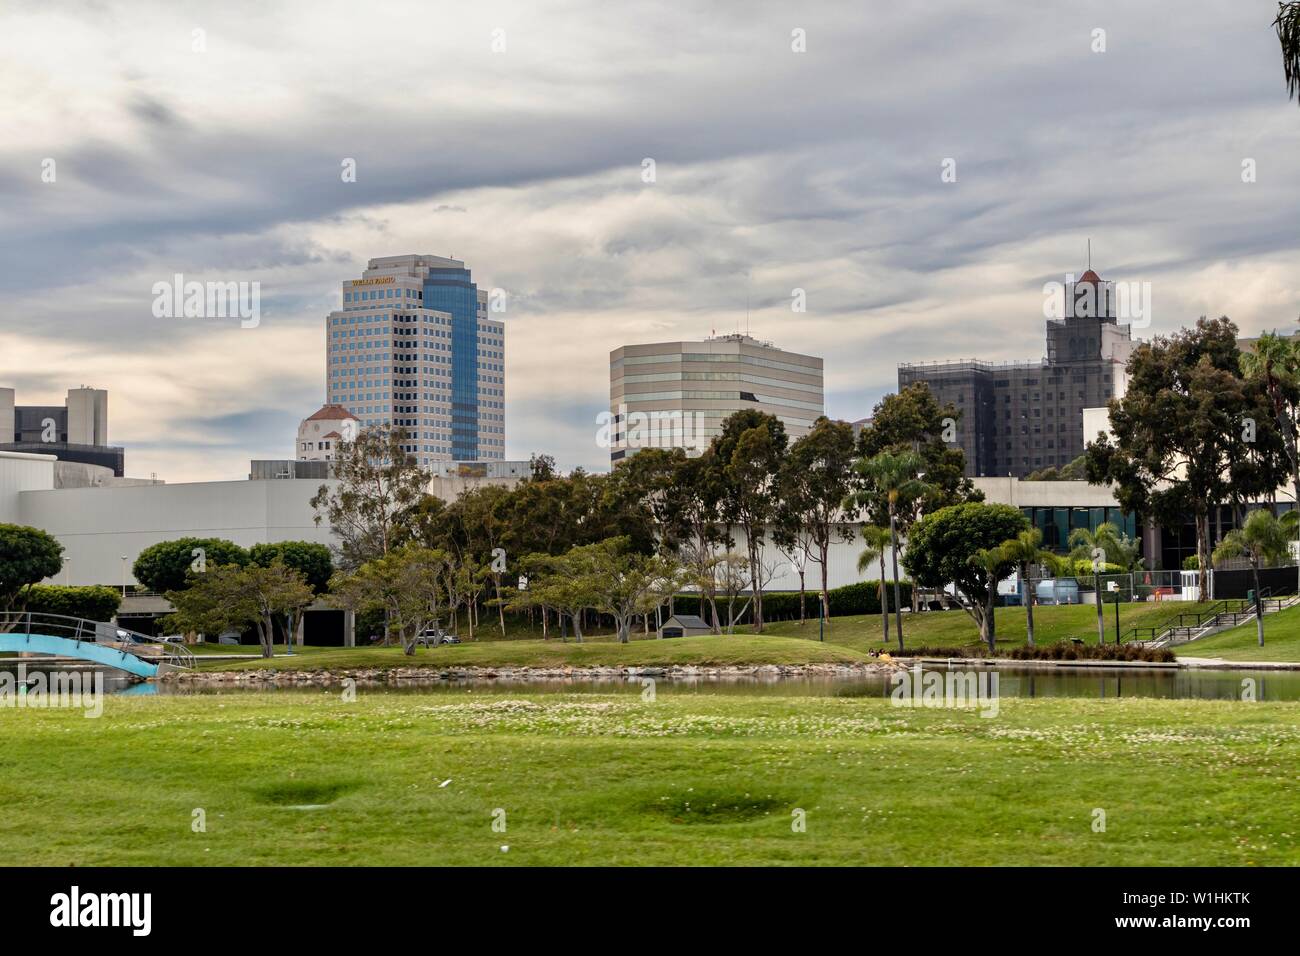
190,153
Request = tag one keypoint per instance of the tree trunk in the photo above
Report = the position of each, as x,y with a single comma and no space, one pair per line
577,627
884,598
1101,619
1259,603
826,595
803,616
989,612
1029,607
893,554
501,610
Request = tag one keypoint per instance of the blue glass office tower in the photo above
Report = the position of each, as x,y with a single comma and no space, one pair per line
413,346
452,291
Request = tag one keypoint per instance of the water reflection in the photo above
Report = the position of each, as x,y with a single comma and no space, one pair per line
1167,683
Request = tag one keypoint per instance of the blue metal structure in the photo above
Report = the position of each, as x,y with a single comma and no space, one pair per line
92,641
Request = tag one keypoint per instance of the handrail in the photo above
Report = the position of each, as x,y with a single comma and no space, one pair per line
81,629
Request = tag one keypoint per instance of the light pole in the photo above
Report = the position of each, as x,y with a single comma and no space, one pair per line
124,577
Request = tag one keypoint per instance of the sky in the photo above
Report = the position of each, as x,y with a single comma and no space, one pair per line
795,146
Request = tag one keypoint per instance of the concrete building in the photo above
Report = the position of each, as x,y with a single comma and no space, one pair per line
1019,417
320,433
76,431
677,394
104,528
413,346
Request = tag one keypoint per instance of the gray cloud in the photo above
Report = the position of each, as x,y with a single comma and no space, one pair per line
776,170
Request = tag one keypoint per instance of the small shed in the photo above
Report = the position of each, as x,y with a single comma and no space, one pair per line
684,625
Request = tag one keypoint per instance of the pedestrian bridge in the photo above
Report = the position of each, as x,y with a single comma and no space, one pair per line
93,641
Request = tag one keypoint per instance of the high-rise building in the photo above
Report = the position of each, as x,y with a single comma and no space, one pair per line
413,346
76,431
1020,417
677,394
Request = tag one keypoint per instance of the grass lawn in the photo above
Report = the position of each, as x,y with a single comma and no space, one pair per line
700,651
956,628
306,778
1281,640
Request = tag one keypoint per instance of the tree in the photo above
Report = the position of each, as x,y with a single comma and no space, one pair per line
1076,470
1189,433
311,560
27,557
993,564
406,584
876,539
943,543
226,596
1287,25
1262,539
622,583
893,478
914,421
816,479
748,454
1096,547
1026,551
555,582
377,483
1274,365
170,565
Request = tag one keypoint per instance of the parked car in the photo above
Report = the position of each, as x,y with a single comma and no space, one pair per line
434,636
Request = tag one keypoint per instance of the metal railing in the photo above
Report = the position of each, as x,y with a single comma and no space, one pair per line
79,629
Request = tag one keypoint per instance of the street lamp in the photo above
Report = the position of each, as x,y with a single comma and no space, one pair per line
124,577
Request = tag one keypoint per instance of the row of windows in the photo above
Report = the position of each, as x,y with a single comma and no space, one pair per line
717,377
714,357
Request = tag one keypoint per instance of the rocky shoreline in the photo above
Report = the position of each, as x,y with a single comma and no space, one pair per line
431,675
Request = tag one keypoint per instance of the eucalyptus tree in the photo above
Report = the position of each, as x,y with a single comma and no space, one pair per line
815,482
377,483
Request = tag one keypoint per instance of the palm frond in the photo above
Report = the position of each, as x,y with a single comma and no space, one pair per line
1287,25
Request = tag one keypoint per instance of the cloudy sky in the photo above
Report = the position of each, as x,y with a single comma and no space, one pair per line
207,139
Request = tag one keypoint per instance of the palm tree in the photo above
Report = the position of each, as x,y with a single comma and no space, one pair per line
1262,538
1026,550
896,477
876,540
993,562
1099,546
1288,34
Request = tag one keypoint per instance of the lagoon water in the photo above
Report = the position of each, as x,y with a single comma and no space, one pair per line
1168,683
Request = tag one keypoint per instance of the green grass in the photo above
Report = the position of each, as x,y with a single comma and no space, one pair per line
306,778
738,649
956,628
1281,640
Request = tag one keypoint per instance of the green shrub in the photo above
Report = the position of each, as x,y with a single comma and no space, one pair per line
860,598
95,603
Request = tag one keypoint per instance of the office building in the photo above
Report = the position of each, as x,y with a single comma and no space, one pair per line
320,433
677,394
1019,417
413,346
76,431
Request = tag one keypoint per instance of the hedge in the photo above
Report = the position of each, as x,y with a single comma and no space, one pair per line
860,598
92,603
